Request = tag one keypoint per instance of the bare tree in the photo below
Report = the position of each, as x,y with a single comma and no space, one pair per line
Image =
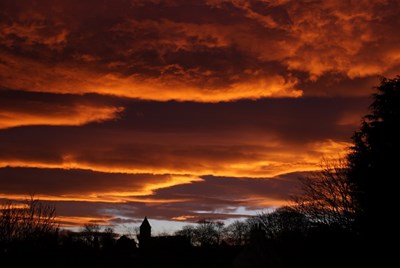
188,231
238,233
108,238
326,196
283,221
28,220
9,223
205,233
90,234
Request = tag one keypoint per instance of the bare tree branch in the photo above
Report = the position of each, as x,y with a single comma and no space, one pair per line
326,195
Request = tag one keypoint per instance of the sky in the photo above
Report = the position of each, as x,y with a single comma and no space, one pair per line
182,110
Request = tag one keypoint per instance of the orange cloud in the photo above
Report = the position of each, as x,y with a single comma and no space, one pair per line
250,139
34,76
333,36
328,36
21,108
71,221
255,161
230,50
67,116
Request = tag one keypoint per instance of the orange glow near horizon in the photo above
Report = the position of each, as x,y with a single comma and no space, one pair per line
69,221
105,197
182,218
144,193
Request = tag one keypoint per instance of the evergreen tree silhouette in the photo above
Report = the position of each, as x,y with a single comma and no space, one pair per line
374,160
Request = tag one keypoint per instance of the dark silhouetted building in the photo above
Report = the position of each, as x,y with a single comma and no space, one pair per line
145,234
169,243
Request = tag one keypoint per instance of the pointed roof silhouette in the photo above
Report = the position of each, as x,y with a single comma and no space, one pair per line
145,223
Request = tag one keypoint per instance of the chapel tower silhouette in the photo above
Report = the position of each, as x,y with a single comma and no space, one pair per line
145,233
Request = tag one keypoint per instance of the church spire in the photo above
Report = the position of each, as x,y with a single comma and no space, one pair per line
145,233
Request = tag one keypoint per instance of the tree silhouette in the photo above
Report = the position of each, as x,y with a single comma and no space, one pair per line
373,161
188,231
30,220
90,233
238,233
207,232
326,196
282,222
107,239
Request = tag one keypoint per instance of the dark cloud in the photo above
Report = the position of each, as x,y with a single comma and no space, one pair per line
233,190
74,182
234,138
19,108
219,197
210,197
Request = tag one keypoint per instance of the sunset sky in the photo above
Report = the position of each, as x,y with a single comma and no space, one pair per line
180,110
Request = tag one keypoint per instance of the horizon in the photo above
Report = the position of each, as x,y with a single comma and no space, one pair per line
181,110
